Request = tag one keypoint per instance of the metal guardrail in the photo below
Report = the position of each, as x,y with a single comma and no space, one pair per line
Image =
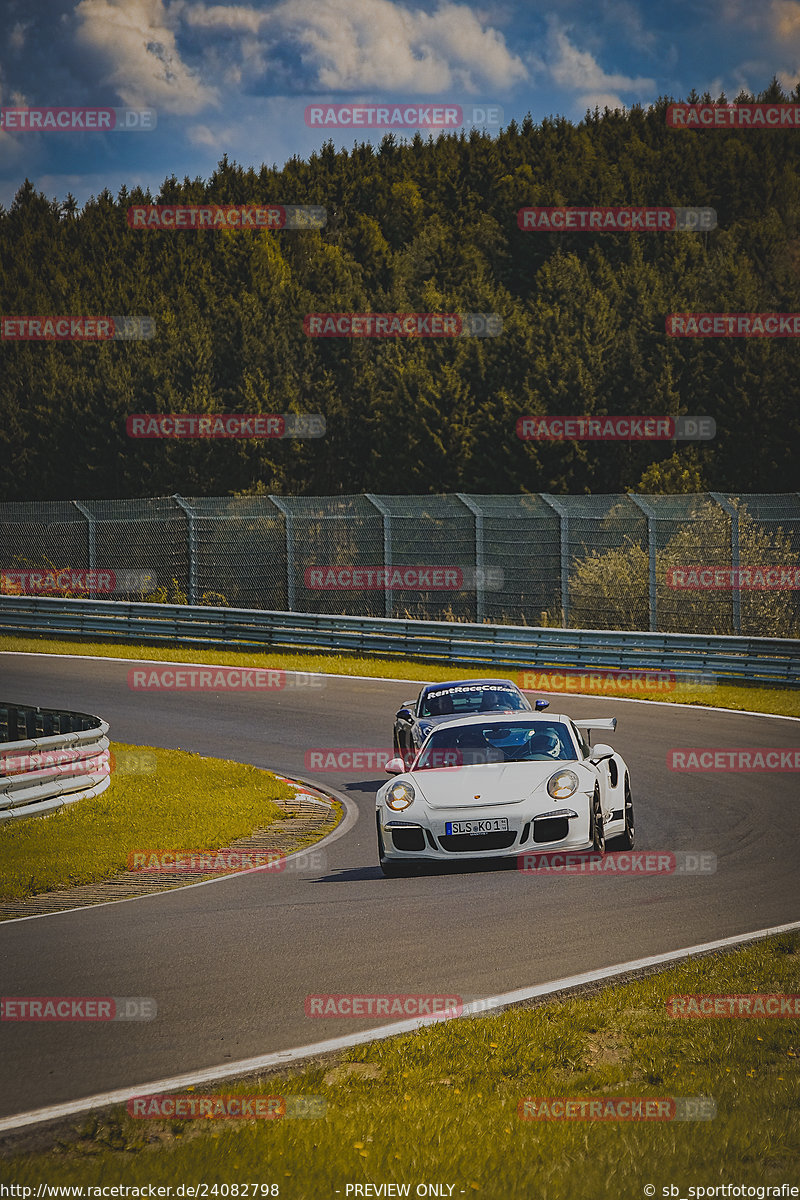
66,759
744,660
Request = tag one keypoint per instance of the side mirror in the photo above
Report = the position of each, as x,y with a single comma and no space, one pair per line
405,714
601,752
541,704
395,766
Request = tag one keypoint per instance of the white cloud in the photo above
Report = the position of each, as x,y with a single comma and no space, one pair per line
778,20
579,71
135,41
735,12
774,27
378,44
785,20
16,39
203,135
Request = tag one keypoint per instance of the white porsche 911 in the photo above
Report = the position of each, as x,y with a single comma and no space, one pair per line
497,786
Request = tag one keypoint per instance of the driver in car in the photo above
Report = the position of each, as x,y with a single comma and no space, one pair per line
545,745
522,745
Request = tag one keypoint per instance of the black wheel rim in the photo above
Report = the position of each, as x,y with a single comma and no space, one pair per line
598,835
629,825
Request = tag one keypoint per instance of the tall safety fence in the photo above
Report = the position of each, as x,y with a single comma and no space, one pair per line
707,563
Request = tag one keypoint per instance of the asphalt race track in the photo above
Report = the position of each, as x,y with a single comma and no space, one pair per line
230,963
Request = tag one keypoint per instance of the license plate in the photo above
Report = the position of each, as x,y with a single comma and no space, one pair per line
491,825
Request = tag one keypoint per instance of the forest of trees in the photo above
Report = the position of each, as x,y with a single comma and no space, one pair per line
418,226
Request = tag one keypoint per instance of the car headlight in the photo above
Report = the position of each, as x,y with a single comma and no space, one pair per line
400,796
563,784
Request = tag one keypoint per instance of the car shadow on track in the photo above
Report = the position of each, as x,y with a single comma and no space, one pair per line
424,869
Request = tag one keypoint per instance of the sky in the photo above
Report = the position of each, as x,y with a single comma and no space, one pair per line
236,78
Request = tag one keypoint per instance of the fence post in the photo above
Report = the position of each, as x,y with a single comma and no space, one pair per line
91,540
649,512
480,574
736,591
387,549
289,523
191,545
563,522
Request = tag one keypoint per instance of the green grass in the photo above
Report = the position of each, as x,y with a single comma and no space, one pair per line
441,1105
782,702
188,802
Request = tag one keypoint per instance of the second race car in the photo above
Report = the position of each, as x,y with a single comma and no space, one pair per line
438,702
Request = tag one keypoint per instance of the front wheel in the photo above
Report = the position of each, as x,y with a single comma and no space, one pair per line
597,827
627,838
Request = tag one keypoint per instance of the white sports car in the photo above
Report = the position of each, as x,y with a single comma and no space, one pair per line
497,786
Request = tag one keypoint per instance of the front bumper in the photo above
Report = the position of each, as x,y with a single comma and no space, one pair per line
424,836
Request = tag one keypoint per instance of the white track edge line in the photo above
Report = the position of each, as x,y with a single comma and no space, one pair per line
247,1066
167,662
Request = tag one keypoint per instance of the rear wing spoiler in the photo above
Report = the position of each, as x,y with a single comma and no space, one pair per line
609,723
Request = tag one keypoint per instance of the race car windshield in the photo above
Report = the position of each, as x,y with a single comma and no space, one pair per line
513,741
459,701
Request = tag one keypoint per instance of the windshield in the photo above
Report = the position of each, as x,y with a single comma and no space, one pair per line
471,698
513,741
